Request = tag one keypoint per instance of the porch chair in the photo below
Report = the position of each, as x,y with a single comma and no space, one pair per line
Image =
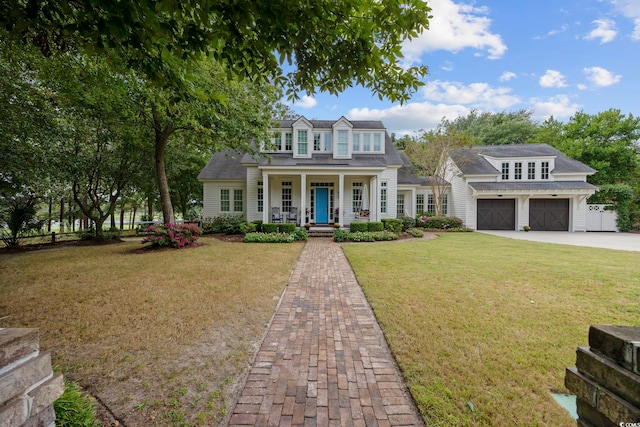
292,216
275,215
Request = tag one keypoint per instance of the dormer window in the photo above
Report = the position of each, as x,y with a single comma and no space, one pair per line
303,145
366,142
356,142
288,141
544,171
277,141
517,170
531,170
376,142
343,143
317,140
505,171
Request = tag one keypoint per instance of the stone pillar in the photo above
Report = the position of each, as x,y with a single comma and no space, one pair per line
606,379
28,386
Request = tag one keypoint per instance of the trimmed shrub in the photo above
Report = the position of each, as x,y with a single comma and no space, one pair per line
269,228
423,213
258,224
439,222
460,229
363,236
414,232
340,235
172,235
358,226
407,222
375,226
227,224
392,224
247,227
269,237
300,234
286,228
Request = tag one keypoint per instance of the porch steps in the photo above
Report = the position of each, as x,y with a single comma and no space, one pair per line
320,232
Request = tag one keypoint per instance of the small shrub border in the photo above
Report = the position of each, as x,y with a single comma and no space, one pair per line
392,224
414,232
227,224
172,235
440,222
363,236
298,234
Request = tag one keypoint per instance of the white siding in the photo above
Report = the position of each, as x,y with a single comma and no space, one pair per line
211,197
253,176
578,209
391,178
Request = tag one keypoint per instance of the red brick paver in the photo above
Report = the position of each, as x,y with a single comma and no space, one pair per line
324,361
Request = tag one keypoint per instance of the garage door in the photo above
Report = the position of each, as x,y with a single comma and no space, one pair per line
549,214
496,214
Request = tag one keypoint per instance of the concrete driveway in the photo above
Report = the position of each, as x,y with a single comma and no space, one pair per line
620,241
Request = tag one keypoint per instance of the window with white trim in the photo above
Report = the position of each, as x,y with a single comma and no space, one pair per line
303,145
383,197
444,206
420,202
505,171
366,142
517,170
431,204
288,141
400,205
327,142
286,196
277,140
531,170
225,205
355,142
376,142
356,200
238,204
343,143
316,141
260,197
544,170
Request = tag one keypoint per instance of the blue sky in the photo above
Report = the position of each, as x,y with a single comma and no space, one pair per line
554,57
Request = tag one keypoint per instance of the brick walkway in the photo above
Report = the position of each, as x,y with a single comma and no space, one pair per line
324,361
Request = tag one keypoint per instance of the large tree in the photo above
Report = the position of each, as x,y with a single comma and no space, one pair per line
489,128
427,152
330,44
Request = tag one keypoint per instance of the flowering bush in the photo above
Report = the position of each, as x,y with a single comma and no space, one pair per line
172,235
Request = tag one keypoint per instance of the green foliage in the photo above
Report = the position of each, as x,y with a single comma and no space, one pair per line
621,195
172,235
489,128
286,228
424,214
439,222
375,226
300,234
414,232
258,224
358,226
269,238
19,217
363,236
74,408
392,224
247,227
227,224
270,228
407,222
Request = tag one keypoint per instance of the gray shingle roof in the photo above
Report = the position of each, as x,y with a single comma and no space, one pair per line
407,176
327,124
532,186
224,165
471,160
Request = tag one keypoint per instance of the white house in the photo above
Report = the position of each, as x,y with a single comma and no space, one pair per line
318,172
323,171
506,187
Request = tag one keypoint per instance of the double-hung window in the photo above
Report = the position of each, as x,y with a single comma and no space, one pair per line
376,142
288,141
260,197
225,205
505,171
366,142
277,141
343,143
317,142
383,197
544,170
420,202
303,145
517,170
356,142
286,196
356,201
238,205
531,170
431,204
327,142
400,205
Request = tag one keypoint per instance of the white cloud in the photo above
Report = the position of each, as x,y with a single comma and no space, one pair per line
305,102
629,9
411,117
636,30
447,66
476,95
455,27
562,29
601,77
552,78
558,106
507,75
605,31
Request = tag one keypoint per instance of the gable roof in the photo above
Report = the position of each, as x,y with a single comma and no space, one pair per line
328,124
471,161
224,165
407,174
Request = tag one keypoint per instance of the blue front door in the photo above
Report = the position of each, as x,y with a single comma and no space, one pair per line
322,205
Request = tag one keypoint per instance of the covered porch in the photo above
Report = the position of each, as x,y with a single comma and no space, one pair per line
318,198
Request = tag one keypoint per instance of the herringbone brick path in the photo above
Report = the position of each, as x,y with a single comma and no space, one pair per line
324,361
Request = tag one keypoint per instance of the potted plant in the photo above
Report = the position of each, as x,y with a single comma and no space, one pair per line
336,225
336,216
526,228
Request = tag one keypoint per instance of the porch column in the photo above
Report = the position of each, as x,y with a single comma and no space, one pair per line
266,200
374,195
341,197
413,202
303,198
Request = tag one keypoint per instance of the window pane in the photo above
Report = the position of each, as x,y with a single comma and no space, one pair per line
288,141
316,141
505,171
260,198
517,170
277,141
531,170
366,142
431,206
376,142
383,197
286,196
545,170
224,200
356,142
445,202
327,142
420,202
400,205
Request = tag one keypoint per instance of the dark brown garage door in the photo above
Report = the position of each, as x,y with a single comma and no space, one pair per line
496,214
549,214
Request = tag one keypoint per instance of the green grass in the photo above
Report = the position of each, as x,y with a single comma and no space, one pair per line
492,321
150,333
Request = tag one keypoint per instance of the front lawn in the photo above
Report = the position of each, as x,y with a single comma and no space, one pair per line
160,337
483,326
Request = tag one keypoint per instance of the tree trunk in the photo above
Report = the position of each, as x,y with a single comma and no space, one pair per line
122,213
62,215
50,213
161,137
113,220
